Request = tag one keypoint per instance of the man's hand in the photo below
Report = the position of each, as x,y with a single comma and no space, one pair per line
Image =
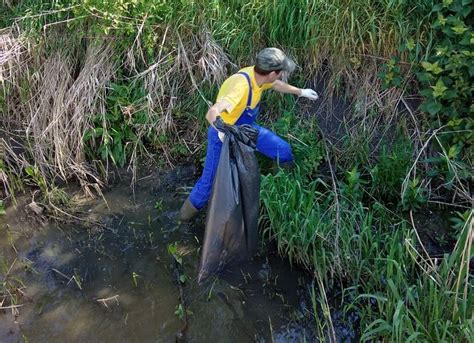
219,124
309,93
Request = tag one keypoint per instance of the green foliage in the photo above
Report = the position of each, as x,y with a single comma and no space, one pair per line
51,193
302,134
159,205
355,150
37,177
447,74
9,284
114,135
414,196
388,173
459,222
175,253
180,311
135,277
371,251
449,165
352,186
391,74
310,30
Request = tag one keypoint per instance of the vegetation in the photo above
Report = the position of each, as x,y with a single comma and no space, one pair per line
86,85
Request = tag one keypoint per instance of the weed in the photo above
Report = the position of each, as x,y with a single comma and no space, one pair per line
398,294
306,144
352,188
115,134
414,196
174,252
180,312
135,277
389,171
159,205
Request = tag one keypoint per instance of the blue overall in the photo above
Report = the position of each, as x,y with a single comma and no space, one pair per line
268,143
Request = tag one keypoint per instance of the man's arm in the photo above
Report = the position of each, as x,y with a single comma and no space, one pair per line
283,87
216,109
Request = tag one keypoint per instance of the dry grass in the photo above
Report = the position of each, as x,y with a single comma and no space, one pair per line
52,97
15,59
49,102
60,111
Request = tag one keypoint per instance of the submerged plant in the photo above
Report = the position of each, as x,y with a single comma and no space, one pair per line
159,205
181,312
174,252
135,277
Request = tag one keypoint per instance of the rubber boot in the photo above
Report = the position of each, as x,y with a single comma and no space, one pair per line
188,211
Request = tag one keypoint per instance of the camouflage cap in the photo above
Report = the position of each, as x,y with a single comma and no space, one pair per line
271,59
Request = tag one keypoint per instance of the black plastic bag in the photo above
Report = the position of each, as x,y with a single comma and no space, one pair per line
232,216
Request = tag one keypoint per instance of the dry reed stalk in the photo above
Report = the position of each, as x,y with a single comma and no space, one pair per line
15,58
213,61
61,110
184,66
11,49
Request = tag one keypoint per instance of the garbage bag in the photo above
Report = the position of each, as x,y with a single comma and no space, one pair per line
232,217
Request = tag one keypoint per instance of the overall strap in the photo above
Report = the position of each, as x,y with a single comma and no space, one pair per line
249,98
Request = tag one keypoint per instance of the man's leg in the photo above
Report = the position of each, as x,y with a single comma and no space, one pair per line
202,189
272,146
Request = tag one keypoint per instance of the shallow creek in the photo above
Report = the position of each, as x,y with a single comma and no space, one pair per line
111,277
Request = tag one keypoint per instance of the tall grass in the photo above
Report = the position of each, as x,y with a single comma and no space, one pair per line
400,293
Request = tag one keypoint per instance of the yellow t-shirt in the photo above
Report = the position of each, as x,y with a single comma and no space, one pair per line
235,91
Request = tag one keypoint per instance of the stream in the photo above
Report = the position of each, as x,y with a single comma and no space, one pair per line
110,277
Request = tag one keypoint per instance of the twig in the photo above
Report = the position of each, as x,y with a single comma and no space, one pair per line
10,307
104,300
296,139
421,243
407,177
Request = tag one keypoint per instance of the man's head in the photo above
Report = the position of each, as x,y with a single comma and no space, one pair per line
272,63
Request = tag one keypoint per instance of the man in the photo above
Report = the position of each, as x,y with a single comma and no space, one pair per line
238,103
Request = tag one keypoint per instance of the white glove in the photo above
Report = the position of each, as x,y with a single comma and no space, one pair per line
221,136
309,93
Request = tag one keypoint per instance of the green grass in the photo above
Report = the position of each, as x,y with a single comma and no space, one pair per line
373,254
343,32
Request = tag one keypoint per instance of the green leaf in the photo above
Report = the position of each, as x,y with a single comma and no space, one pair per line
433,107
450,94
432,67
172,249
447,3
375,329
442,20
454,151
410,44
459,29
439,89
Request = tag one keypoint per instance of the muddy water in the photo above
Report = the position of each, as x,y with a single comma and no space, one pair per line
112,279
